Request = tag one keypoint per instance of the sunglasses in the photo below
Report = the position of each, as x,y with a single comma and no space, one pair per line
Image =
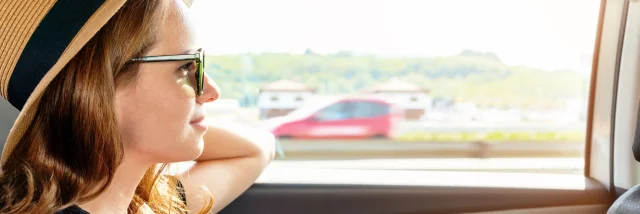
198,57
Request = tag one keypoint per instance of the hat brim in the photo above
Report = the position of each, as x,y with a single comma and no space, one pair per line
88,30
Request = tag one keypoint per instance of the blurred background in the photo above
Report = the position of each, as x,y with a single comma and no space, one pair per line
490,85
479,85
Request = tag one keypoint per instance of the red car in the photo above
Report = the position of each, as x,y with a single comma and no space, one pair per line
345,118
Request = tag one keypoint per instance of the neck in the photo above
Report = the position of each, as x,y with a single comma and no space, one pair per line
118,195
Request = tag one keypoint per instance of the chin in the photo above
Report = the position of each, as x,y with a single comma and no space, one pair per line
198,150
194,151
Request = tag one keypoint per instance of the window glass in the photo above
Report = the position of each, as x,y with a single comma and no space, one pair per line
368,109
487,85
337,111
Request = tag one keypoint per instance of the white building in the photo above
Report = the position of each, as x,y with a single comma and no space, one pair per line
414,99
281,97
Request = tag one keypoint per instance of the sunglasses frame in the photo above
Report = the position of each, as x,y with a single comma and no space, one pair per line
198,57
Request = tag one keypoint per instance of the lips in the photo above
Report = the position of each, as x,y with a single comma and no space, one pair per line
199,124
198,120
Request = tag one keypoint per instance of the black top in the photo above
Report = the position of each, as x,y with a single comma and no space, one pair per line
72,210
77,210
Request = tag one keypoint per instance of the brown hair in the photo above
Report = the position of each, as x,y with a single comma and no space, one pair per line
73,146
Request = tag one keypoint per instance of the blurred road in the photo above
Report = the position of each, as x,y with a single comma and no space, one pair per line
349,149
520,165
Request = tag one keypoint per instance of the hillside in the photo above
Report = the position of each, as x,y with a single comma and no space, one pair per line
476,76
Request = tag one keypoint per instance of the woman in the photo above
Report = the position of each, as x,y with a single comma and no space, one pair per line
109,91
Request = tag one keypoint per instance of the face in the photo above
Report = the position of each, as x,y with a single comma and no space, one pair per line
159,111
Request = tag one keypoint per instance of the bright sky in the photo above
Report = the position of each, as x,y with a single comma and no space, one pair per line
550,34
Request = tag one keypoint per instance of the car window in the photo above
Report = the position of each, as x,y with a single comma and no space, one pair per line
338,111
468,80
368,109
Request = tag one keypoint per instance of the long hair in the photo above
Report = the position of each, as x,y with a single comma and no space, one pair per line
70,151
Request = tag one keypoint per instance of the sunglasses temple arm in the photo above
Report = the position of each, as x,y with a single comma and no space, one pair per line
165,58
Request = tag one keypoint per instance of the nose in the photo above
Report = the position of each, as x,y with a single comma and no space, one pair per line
210,91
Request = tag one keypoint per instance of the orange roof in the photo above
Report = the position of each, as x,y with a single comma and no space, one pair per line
286,85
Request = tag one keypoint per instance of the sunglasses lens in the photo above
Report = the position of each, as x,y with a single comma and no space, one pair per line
200,73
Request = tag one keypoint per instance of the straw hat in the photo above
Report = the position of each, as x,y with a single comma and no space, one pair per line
37,39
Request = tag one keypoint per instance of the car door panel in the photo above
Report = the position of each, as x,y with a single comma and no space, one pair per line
578,209
313,191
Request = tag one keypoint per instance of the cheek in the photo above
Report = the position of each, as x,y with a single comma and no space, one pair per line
155,123
187,88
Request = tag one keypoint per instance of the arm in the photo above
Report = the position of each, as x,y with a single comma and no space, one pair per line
233,158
